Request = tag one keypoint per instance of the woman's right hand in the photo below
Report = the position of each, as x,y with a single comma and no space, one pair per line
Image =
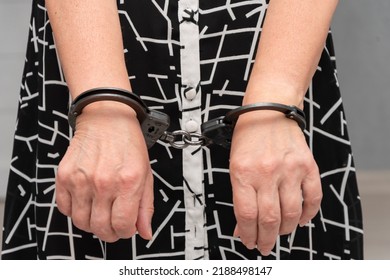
104,182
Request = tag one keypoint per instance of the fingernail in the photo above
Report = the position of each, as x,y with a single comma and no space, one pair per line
251,247
265,252
150,233
303,224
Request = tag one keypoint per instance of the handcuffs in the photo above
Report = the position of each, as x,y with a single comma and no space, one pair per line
154,124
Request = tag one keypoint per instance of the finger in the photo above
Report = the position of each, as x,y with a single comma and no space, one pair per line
101,220
81,208
290,196
64,201
124,215
312,196
63,197
146,210
245,210
268,221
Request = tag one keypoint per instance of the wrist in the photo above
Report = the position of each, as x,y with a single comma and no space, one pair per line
104,115
290,112
112,107
105,101
274,91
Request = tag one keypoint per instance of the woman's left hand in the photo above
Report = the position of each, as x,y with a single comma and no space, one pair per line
275,180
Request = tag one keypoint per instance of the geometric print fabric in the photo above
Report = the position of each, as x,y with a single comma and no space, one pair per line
192,62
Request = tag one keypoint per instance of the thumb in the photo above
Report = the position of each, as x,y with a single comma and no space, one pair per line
146,210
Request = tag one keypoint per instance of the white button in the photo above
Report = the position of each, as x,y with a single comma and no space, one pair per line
192,126
190,94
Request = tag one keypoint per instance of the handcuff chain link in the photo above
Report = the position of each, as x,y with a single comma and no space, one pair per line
180,139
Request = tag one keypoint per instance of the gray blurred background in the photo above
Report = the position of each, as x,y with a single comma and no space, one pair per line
361,31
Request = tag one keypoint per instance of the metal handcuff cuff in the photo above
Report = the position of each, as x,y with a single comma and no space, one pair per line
154,124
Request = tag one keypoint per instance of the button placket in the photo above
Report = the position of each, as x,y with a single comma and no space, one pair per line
191,118
191,125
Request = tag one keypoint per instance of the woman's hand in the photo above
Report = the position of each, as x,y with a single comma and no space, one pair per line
104,182
276,183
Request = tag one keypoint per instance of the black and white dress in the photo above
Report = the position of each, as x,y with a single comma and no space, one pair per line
190,59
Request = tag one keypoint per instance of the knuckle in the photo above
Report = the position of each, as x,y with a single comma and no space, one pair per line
269,166
79,181
123,229
247,215
242,165
304,161
102,180
104,183
314,201
270,221
147,211
64,173
245,168
80,223
310,164
150,210
291,215
297,162
237,165
103,232
63,205
130,178
313,165
119,223
70,173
